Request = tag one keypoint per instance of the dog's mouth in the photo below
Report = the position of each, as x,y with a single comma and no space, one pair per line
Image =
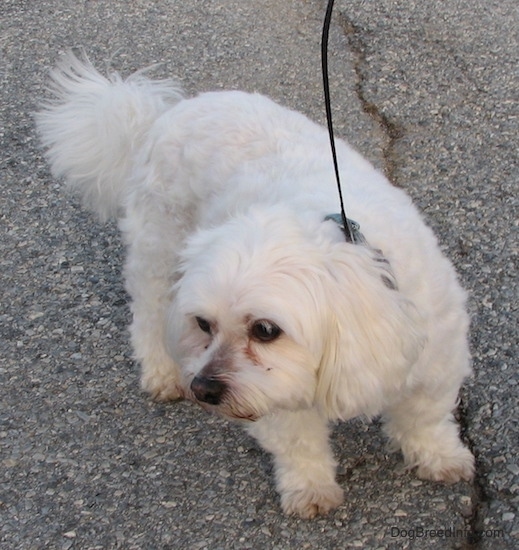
217,396
226,407
227,411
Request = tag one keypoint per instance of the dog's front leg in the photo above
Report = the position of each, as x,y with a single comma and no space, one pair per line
304,464
148,282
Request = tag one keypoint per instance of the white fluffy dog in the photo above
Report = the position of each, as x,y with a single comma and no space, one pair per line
245,298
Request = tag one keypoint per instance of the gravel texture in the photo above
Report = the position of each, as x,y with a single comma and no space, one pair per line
429,92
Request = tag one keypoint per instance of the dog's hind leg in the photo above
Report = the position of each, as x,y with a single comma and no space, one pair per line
424,428
304,464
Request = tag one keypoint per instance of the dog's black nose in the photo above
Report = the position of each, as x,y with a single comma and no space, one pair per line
208,390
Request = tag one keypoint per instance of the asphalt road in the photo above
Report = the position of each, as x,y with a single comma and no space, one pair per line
429,92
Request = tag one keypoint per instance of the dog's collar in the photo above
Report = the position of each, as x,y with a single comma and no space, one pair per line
388,278
354,228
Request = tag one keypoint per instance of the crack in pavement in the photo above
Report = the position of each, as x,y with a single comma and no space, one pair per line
391,130
480,497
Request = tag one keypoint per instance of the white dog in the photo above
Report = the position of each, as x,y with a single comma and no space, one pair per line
246,299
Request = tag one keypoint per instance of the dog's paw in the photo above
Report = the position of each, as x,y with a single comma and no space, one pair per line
161,388
450,469
312,501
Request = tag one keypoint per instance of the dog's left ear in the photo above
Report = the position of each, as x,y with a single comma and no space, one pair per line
373,338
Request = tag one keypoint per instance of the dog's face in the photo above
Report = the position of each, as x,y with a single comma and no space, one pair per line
265,317
243,366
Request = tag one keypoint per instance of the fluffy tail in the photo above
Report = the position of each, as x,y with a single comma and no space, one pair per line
94,125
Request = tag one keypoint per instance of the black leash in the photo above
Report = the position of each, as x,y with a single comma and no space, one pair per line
349,227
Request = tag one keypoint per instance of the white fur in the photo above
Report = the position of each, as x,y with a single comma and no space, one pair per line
221,201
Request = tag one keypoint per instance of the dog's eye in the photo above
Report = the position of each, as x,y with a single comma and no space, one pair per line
265,331
204,325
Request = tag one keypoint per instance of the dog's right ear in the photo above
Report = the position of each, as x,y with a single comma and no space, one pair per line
373,338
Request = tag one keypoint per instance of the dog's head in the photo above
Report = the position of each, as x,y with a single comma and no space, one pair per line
269,314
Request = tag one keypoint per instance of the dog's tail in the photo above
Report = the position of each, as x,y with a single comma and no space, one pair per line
93,126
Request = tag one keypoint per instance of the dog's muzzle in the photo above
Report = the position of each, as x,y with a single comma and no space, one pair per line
208,390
